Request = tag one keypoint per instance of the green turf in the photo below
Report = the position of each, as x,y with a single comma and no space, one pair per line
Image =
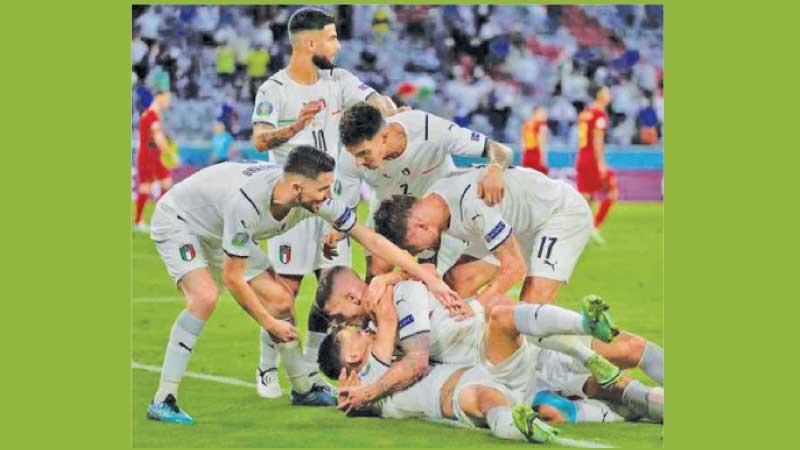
627,272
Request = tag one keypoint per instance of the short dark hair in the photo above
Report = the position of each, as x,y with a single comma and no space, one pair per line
309,162
391,219
329,358
306,19
360,122
325,286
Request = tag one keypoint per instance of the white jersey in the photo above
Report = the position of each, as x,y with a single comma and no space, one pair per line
279,101
227,205
431,143
530,199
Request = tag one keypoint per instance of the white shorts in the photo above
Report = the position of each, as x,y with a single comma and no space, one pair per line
558,372
299,250
516,372
476,376
553,249
182,251
456,342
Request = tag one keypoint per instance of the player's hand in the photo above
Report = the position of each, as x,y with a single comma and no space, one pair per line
372,297
329,243
357,397
405,108
282,330
492,187
308,112
385,310
442,291
460,311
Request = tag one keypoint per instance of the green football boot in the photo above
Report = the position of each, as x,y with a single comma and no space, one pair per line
596,318
603,371
533,428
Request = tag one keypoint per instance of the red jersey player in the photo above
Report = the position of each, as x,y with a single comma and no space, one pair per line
534,137
152,141
593,176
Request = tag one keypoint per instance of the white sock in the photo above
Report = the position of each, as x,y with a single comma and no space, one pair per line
645,401
652,362
571,345
589,410
269,355
546,320
311,349
502,423
182,339
296,367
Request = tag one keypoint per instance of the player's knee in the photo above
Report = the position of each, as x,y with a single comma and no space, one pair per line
205,301
628,349
550,414
489,398
144,188
282,303
540,291
501,316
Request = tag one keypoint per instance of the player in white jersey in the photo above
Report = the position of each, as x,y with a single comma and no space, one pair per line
506,366
301,105
216,216
550,220
405,154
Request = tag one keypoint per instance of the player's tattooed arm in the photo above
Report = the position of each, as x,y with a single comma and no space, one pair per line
512,270
409,369
266,137
492,186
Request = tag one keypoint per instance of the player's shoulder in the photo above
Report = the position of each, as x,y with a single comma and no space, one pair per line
408,290
275,83
340,74
416,122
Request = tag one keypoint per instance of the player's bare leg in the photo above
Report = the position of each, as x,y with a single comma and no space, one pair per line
165,184
280,297
202,294
468,275
540,290
629,350
376,266
486,405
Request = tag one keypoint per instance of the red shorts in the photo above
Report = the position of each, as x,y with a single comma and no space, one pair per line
533,160
149,168
590,182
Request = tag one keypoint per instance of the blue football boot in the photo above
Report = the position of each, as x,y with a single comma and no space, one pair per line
168,411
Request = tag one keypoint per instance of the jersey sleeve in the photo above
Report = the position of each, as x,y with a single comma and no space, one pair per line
454,139
348,180
373,370
483,220
239,222
267,104
412,301
353,90
337,213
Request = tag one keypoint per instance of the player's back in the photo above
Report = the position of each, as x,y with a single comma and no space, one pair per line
590,121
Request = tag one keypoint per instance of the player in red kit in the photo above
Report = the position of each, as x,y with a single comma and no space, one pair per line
594,178
149,168
534,138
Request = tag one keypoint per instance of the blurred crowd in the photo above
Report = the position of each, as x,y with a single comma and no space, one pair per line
484,66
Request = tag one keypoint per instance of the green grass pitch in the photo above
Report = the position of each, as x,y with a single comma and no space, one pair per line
627,272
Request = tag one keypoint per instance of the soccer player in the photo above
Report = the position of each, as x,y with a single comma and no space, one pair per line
301,105
534,139
594,178
406,154
537,232
504,355
215,218
149,168
478,401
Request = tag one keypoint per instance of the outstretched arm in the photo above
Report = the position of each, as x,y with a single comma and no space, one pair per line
492,187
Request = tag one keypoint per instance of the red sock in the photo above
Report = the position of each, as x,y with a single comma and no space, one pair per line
141,199
602,212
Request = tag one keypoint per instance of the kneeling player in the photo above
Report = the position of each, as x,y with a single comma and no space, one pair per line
215,218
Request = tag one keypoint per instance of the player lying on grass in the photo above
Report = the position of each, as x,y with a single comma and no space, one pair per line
506,366
447,391
301,105
427,332
406,154
216,216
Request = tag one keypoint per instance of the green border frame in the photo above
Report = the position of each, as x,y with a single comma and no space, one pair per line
731,110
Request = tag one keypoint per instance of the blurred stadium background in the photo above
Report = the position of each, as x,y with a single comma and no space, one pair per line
483,66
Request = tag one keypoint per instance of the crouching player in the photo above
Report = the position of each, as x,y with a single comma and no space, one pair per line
215,218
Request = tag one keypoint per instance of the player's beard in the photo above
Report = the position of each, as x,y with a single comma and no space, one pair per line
322,62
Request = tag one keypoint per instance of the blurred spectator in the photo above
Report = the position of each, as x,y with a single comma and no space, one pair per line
221,144
257,63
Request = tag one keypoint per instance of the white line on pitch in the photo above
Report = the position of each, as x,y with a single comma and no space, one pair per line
559,440
201,376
